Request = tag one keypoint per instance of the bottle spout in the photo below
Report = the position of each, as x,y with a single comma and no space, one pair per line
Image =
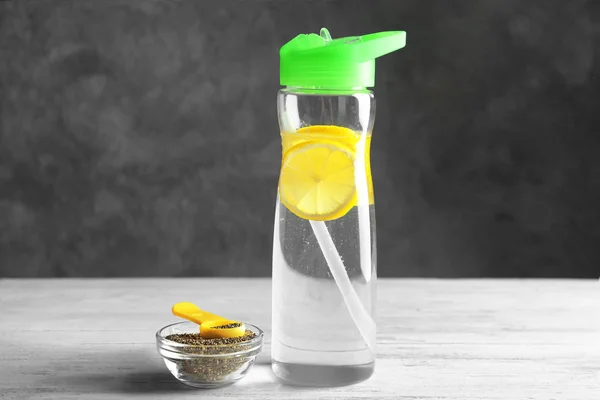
375,45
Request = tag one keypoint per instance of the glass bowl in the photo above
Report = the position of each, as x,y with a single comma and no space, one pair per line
207,366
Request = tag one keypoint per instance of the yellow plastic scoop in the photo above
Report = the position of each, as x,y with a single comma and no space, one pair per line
211,325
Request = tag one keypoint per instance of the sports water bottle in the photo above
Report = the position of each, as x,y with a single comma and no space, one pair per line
324,254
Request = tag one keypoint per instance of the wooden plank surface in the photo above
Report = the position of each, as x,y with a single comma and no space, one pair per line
437,339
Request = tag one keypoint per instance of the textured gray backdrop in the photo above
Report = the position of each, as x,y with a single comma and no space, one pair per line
139,138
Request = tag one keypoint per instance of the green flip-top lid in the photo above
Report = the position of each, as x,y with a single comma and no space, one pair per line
317,61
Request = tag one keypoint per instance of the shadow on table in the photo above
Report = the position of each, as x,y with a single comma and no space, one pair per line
137,371
128,382
140,370
131,372
126,377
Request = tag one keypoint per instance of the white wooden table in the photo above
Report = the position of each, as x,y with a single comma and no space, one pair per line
438,339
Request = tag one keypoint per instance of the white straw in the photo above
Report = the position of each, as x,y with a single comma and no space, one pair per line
364,220
362,319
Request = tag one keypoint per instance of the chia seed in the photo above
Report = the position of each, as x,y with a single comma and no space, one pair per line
213,369
228,326
194,339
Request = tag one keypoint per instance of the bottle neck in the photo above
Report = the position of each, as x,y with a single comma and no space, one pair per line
326,91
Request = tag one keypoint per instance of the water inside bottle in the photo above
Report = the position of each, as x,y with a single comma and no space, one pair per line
315,341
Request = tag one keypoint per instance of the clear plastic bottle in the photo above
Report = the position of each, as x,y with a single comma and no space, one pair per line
324,253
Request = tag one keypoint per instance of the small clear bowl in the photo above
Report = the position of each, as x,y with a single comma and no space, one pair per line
207,366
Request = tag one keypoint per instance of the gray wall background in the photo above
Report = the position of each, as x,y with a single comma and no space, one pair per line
139,138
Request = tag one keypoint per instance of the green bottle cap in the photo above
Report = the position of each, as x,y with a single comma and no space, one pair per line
317,61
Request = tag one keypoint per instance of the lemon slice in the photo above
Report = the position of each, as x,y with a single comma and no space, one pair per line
317,180
341,136
317,133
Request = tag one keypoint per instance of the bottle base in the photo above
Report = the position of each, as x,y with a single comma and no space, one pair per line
322,375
